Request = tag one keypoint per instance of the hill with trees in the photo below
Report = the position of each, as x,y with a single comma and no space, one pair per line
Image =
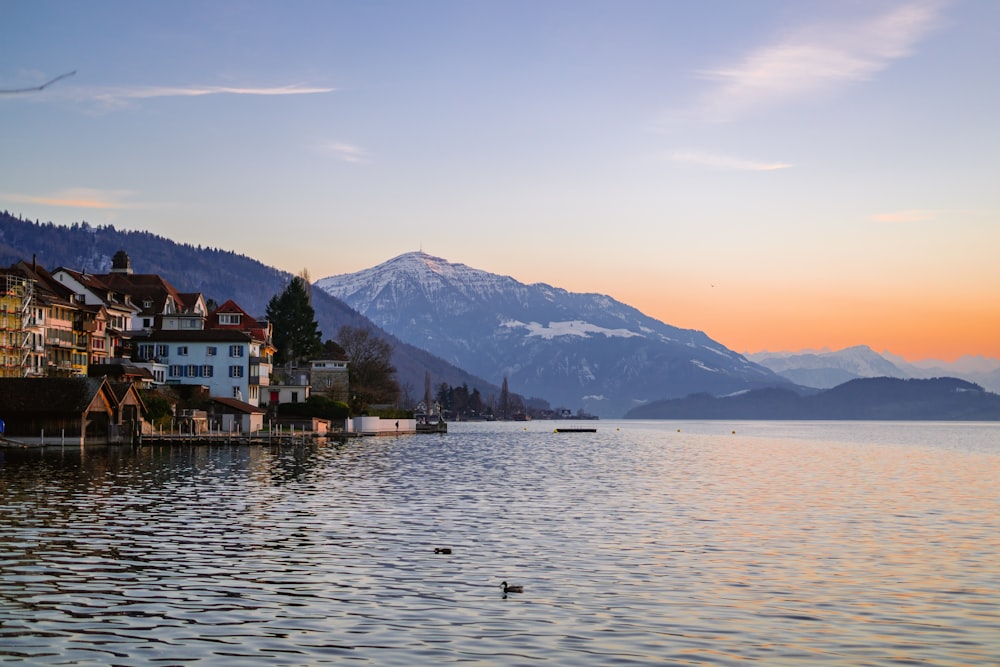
216,273
883,398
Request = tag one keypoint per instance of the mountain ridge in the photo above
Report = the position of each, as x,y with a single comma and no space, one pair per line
581,350
589,320
218,274
824,369
881,398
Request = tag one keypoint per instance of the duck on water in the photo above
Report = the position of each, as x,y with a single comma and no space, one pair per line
511,589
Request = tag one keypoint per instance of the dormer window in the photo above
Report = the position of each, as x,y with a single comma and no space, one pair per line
229,318
147,303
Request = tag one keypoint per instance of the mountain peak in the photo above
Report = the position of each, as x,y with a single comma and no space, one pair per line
582,350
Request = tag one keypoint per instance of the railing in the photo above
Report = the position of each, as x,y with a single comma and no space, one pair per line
59,338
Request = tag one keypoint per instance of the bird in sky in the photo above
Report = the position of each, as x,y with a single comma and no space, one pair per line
45,85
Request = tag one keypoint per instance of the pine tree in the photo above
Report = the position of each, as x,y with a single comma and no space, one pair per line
296,333
504,400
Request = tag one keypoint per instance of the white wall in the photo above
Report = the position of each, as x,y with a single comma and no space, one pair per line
380,426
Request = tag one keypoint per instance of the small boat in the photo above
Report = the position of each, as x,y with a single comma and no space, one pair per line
431,424
576,430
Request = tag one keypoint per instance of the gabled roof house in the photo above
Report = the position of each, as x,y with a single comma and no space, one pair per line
78,409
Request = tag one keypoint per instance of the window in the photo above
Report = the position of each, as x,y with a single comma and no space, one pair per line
193,371
235,350
147,351
158,376
182,350
295,397
229,318
147,322
237,392
176,371
235,371
162,350
211,351
206,371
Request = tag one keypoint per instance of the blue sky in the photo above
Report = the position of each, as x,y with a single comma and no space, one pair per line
781,175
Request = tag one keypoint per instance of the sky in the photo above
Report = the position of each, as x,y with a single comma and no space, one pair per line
782,175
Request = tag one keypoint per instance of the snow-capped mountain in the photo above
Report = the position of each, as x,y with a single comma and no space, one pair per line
827,369
981,370
824,370
574,350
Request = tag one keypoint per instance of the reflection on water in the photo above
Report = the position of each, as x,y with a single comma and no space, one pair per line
786,543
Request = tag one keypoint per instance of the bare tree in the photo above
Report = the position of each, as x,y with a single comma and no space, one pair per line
369,367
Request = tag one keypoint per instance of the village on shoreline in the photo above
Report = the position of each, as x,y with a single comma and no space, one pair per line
123,358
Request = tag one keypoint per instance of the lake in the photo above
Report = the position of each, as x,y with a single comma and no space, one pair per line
705,543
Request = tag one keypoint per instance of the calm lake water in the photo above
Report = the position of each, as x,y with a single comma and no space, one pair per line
710,543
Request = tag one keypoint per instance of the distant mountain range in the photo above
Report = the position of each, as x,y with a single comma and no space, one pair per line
948,399
826,369
575,350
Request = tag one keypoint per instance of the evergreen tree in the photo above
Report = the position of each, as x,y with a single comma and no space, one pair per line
296,333
505,402
476,407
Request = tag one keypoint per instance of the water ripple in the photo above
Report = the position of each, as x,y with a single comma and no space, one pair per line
846,544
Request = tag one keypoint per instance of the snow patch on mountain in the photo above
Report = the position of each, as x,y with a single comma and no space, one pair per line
563,347
571,328
722,353
703,366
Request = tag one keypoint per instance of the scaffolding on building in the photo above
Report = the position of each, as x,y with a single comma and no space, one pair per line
15,319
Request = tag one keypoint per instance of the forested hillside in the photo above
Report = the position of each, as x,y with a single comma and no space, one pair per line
216,273
883,398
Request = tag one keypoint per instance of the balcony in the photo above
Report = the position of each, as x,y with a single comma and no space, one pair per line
59,342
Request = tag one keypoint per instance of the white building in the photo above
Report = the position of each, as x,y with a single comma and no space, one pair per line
228,362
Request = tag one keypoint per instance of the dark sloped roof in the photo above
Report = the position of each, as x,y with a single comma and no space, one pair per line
248,323
239,406
117,371
121,389
148,286
47,395
48,290
197,335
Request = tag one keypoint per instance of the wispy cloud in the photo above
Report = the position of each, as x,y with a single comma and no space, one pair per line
122,95
717,161
76,198
345,152
817,59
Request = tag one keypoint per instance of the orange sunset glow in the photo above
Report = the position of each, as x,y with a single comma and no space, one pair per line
775,177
